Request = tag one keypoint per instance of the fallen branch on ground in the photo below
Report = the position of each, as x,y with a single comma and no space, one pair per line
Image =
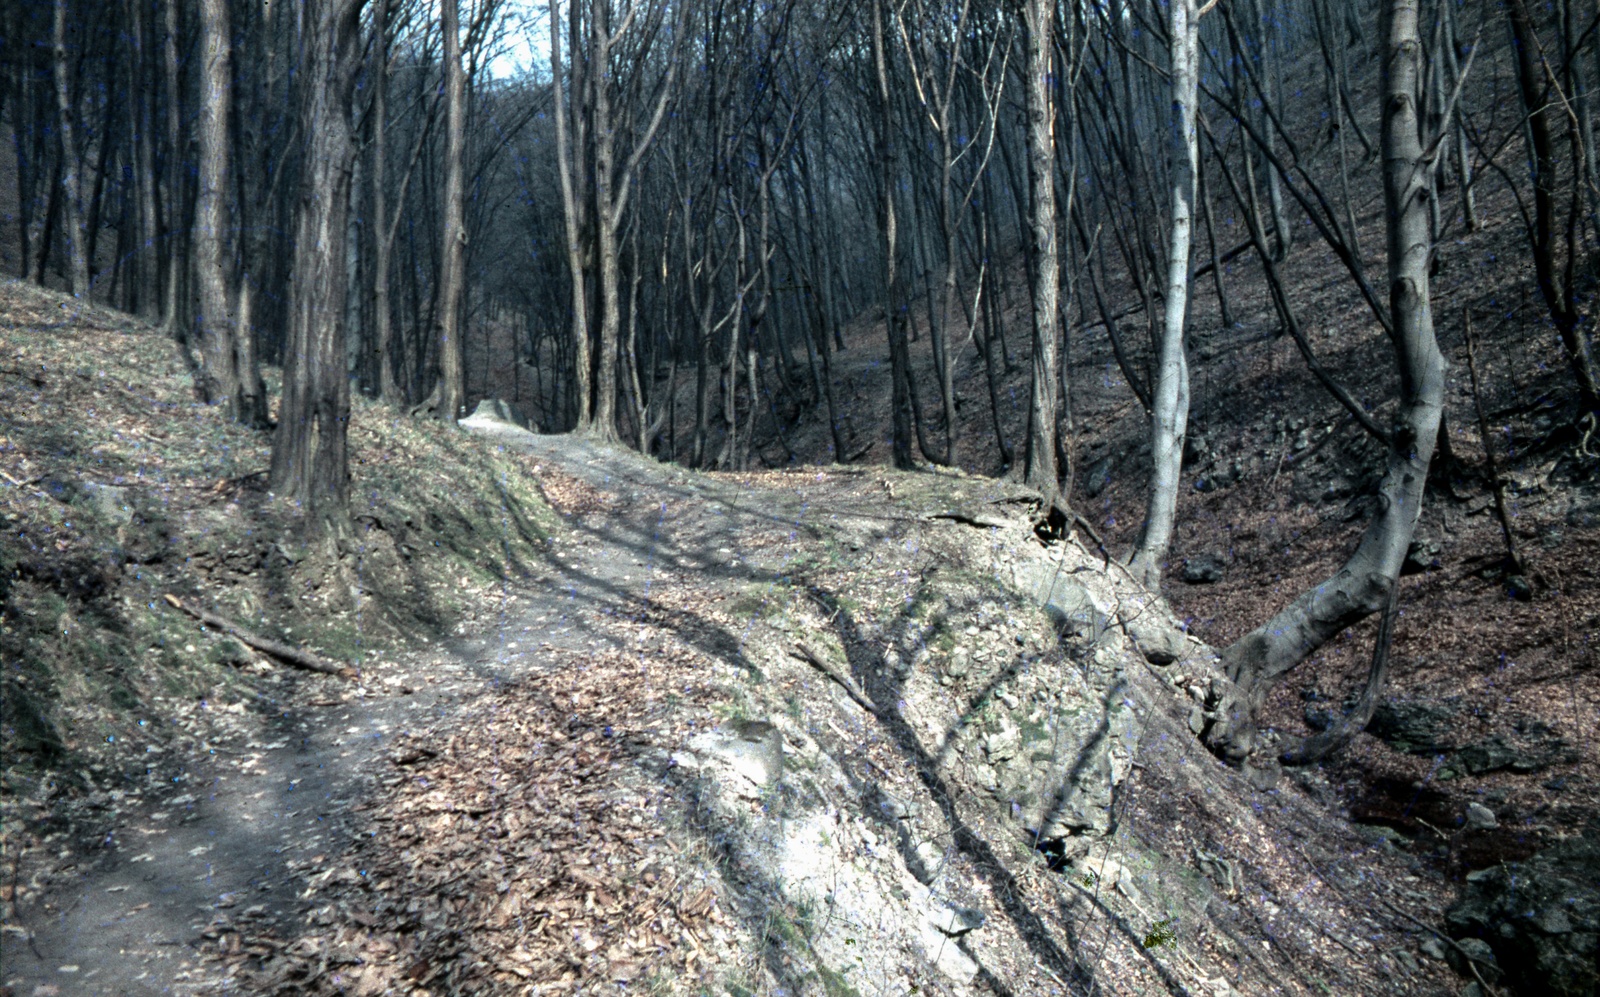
1472,960
283,652
805,652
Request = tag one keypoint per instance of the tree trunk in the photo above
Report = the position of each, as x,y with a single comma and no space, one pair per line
1556,288
146,268
71,159
1039,445
310,462
452,257
568,148
1362,585
894,300
172,309
382,311
607,247
1169,415
223,381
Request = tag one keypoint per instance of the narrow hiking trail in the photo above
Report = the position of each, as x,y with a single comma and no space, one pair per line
744,733
243,826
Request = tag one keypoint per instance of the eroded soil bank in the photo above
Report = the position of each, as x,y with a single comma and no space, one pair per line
822,731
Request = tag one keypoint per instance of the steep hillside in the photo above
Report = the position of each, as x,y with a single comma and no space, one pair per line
118,490
824,731
844,732
1279,483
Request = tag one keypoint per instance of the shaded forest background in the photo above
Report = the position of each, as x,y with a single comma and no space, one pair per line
1049,240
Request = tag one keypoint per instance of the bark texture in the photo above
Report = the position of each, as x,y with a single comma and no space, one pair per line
310,460
1039,447
452,393
1361,586
229,373
1169,411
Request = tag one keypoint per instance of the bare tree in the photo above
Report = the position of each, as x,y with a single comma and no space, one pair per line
382,229
71,157
1554,241
449,392
895,308
1169,413
1039,445
1365,581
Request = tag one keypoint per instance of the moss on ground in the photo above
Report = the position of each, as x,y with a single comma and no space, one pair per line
122,489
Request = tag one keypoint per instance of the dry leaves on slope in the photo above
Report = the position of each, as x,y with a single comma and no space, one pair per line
513,851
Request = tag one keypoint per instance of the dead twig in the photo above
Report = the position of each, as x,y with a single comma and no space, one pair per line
22,483
1472,960
805,652
283,652
1087,527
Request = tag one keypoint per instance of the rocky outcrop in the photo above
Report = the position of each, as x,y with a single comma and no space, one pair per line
1539,918
1206,569
1415,726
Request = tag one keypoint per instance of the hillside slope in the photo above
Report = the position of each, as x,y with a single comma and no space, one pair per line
1278,485
840,731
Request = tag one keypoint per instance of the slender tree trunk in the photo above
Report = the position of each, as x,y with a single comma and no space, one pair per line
52,214
382,309
1169,416
1557,292
147,252
24,115
452,271
1272,78
821,298
173,248
95,203
1224,313
894,304
607,247
1362,585
1039,445
71,159
1463,156
568,148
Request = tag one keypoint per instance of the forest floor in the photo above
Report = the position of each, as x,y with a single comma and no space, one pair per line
1278,483
512,796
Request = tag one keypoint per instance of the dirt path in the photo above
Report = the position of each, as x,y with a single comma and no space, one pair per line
229,836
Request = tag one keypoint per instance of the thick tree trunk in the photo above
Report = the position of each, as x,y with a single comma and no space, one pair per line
1039,445
1361,586
310,463
1169,414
